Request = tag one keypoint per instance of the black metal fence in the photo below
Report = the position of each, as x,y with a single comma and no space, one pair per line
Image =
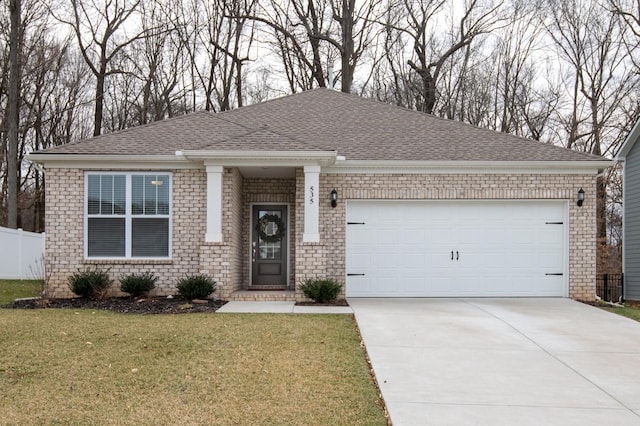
610,287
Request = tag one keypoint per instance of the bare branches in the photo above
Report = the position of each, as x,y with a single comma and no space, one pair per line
101,24
417,21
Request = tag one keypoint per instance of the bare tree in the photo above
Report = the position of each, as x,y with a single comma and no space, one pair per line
218,37
101,34
13,107
590,40
312,30
419,21
294,25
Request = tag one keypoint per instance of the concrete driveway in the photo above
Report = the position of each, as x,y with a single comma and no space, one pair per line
502,361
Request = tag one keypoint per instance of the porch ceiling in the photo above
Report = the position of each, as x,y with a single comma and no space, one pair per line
268,172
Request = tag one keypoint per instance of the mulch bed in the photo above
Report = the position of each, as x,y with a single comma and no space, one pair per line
128,305
125,305
338,302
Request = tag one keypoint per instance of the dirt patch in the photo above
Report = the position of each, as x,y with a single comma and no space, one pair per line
125,305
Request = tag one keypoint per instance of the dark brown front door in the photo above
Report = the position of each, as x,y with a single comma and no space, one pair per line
269,245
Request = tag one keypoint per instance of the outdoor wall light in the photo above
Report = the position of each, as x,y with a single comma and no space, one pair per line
334,198
580,197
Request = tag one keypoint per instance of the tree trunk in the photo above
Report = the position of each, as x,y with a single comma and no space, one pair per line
13,107
97,117
346,23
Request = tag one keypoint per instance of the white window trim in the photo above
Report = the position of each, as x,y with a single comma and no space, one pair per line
128,216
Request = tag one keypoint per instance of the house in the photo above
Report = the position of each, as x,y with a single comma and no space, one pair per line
387,201
630,155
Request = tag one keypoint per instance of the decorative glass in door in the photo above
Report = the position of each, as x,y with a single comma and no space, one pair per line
269,245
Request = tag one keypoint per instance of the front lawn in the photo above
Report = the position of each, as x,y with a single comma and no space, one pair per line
15,289
629,311
82,366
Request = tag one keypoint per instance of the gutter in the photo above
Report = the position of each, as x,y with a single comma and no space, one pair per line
457,167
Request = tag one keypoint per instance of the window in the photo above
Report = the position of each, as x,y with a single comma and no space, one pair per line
127,215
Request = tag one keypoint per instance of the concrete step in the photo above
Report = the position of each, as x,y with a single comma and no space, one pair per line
263,296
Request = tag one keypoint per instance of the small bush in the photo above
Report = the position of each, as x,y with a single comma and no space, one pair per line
90,283
321,290
196,287
138,284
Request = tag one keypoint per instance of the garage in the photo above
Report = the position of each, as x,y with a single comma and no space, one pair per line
456,249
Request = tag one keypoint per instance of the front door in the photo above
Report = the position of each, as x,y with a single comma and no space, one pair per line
269,245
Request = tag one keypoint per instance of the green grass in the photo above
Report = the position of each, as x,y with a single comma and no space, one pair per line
14,289
85,367
632,312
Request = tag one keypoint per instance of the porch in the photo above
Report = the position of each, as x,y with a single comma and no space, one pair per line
257,219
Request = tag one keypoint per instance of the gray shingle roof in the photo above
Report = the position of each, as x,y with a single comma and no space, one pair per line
324,120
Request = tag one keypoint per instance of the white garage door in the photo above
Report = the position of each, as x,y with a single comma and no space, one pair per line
456,249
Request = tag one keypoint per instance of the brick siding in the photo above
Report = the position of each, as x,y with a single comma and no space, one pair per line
327,258
65,233
228,261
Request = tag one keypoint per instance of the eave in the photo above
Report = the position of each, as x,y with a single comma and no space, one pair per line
459,167
110,161
329,160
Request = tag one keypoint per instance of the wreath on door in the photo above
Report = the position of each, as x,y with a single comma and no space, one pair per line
267,233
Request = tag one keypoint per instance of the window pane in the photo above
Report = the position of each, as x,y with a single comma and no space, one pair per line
93,193
163,194
106,237
150,237
106,194
137,194
119,189
150,194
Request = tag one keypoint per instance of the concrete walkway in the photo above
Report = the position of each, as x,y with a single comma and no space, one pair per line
502,361
281,308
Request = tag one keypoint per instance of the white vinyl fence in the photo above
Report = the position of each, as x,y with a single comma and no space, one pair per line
21,254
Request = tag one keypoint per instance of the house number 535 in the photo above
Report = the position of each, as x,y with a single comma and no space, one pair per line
311,194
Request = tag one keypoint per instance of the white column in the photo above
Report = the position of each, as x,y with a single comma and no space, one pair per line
214,204
311,204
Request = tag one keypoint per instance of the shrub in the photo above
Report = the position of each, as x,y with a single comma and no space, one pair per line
196,287
138,284
321,290
90,283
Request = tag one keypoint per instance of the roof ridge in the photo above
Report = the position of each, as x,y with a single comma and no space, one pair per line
278,99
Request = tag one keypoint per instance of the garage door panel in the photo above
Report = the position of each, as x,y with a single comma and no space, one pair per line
499,249
413,236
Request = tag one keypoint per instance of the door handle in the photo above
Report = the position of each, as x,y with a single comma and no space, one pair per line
457,255
451,254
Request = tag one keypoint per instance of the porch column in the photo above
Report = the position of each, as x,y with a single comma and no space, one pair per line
214,204
311,205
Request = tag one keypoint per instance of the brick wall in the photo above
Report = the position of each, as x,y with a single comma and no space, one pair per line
327,258
228,261
223,260
65,233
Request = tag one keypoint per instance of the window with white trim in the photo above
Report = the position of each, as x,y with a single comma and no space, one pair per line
127,215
